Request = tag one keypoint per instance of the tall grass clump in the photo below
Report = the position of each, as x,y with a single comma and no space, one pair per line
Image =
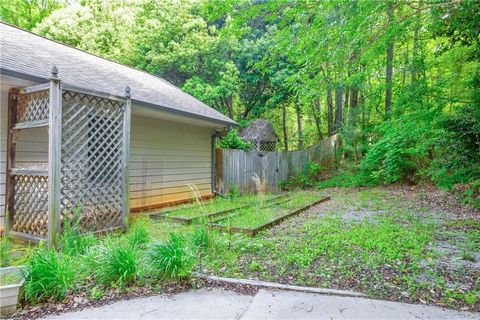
116,263
171,258
5,252
50,275
201,239
73,242
138,233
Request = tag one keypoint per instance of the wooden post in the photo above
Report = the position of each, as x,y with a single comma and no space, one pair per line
54,156
126,153
11,146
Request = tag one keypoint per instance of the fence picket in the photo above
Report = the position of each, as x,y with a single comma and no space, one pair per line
235,168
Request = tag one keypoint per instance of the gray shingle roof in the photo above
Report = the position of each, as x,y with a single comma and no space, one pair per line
29,55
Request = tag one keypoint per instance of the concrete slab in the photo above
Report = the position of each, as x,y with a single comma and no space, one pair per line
298,305
195,304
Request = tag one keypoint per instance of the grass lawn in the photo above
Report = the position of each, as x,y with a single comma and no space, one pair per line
259,215
214,205
412,245
390,243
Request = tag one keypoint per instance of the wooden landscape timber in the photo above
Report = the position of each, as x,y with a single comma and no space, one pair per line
211,216
252,232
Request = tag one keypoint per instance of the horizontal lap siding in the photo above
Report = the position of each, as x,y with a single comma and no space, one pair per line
166,156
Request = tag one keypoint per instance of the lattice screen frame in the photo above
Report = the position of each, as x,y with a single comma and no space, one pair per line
34,114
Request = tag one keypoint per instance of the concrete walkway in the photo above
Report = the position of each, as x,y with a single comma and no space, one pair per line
266,304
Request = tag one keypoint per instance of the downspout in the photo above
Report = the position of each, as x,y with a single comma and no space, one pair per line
215,135
214,172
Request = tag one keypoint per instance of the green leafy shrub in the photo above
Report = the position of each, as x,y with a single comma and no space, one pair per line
5,252
347,177
116,263
302,181
171,258
472,194
233,141
312,170
405,149
50,275
138,233
293,182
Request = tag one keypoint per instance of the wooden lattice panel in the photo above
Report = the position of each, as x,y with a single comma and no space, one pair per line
91,163
33,106
30,204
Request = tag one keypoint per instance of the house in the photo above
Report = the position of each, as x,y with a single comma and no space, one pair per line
79,133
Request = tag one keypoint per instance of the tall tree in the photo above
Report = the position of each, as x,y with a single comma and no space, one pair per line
389,60
317,114
284,126
331,128
339,108
298,110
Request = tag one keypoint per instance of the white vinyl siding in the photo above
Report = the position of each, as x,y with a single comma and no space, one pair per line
165,157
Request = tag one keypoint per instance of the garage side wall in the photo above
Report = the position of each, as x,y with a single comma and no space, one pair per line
165,157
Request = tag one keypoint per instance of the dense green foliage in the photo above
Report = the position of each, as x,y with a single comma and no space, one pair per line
232,141
399,80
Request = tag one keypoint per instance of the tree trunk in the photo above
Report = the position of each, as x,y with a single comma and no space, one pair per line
353,106
416,63
230,107
346,101
339,109
389,67
284,124
330,111
317,114
299,125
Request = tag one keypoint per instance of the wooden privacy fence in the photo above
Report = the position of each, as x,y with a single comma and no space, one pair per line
235,168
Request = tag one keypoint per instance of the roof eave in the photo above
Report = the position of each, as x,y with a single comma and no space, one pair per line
32,78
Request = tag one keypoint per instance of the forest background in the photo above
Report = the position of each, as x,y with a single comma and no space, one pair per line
398,80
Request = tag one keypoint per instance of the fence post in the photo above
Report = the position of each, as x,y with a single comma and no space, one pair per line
54,156
126,155
11,149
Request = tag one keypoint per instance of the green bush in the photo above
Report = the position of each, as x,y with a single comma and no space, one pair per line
50,275
233,141
116,263
171,258
347,177
405,148
306,180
